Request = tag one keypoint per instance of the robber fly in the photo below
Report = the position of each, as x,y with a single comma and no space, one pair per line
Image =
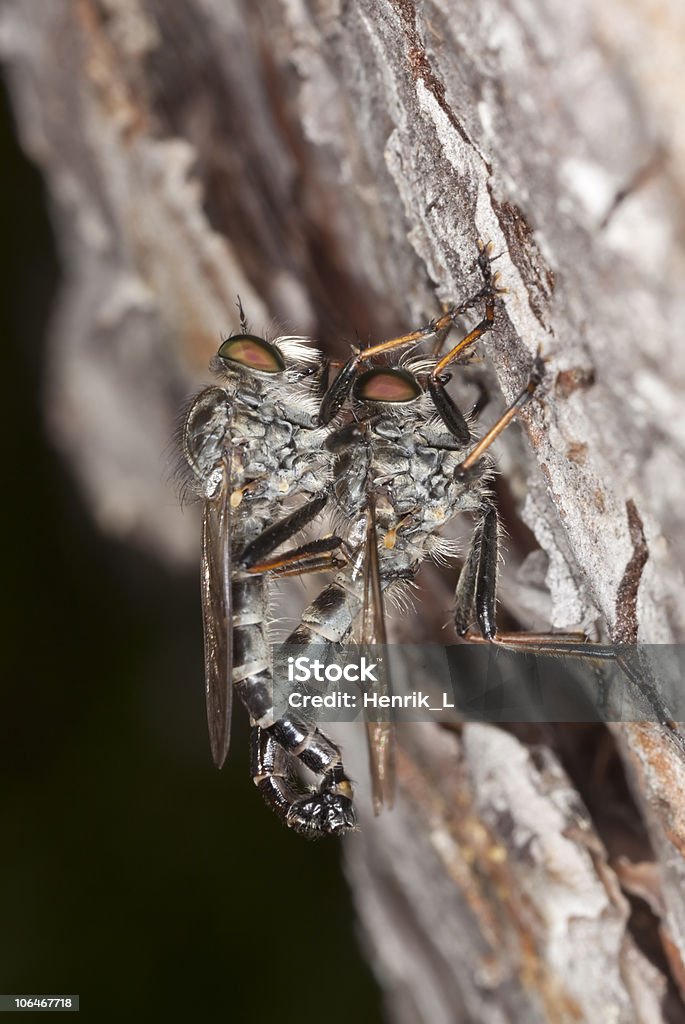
405,466
396,485
255,455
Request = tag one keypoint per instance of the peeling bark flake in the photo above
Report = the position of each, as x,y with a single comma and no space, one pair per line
626,628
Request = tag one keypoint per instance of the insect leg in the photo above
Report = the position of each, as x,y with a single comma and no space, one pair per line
449,412
576,645
442,323
316,556
478,331
505,419
340,388
281,531
447,409
482,400
477,586
476,590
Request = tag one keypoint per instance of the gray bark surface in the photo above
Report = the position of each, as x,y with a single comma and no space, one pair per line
335,163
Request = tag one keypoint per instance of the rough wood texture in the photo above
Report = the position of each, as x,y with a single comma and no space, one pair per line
335,163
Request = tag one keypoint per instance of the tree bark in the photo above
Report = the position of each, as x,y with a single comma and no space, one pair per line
335,163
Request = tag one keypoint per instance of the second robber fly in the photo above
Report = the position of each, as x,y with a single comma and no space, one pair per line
256,457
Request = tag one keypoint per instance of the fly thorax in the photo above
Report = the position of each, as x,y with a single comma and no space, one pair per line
279,435
389,460
249,397
386,511
205,431
427,462
407,493
400,558
308,475
469,499
250,420
305,440
435,515
388,430
285,482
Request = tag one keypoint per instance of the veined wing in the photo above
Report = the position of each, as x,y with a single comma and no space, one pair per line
216,614
380,735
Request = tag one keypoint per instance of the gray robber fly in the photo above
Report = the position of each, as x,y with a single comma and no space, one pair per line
405,466
254,453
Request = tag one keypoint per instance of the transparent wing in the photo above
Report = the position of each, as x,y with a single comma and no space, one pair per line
380,735
216,615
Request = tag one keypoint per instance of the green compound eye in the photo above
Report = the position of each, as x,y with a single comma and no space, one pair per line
387,386
253,353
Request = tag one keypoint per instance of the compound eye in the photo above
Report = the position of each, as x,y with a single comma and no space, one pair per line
387,386
253,353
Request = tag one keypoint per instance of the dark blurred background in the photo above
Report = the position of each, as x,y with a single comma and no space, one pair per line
133,873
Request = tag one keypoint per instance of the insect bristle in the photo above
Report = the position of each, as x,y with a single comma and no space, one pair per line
416,364
179,474
401,594
443,550
298,349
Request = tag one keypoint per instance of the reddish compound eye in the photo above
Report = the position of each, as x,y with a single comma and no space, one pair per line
387,385
253,353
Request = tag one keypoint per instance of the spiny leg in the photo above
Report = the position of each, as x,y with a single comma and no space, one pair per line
477,586
315,556
447,409
281,531
577,645
444,322
505,419
476,592
449,412
482,400
340,388
489,292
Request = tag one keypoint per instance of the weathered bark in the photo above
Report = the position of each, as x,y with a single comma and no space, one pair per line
335,163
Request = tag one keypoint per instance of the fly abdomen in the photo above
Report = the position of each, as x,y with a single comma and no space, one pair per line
257,694
328,811
252,675
249,649
329,617
314,749
270,774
